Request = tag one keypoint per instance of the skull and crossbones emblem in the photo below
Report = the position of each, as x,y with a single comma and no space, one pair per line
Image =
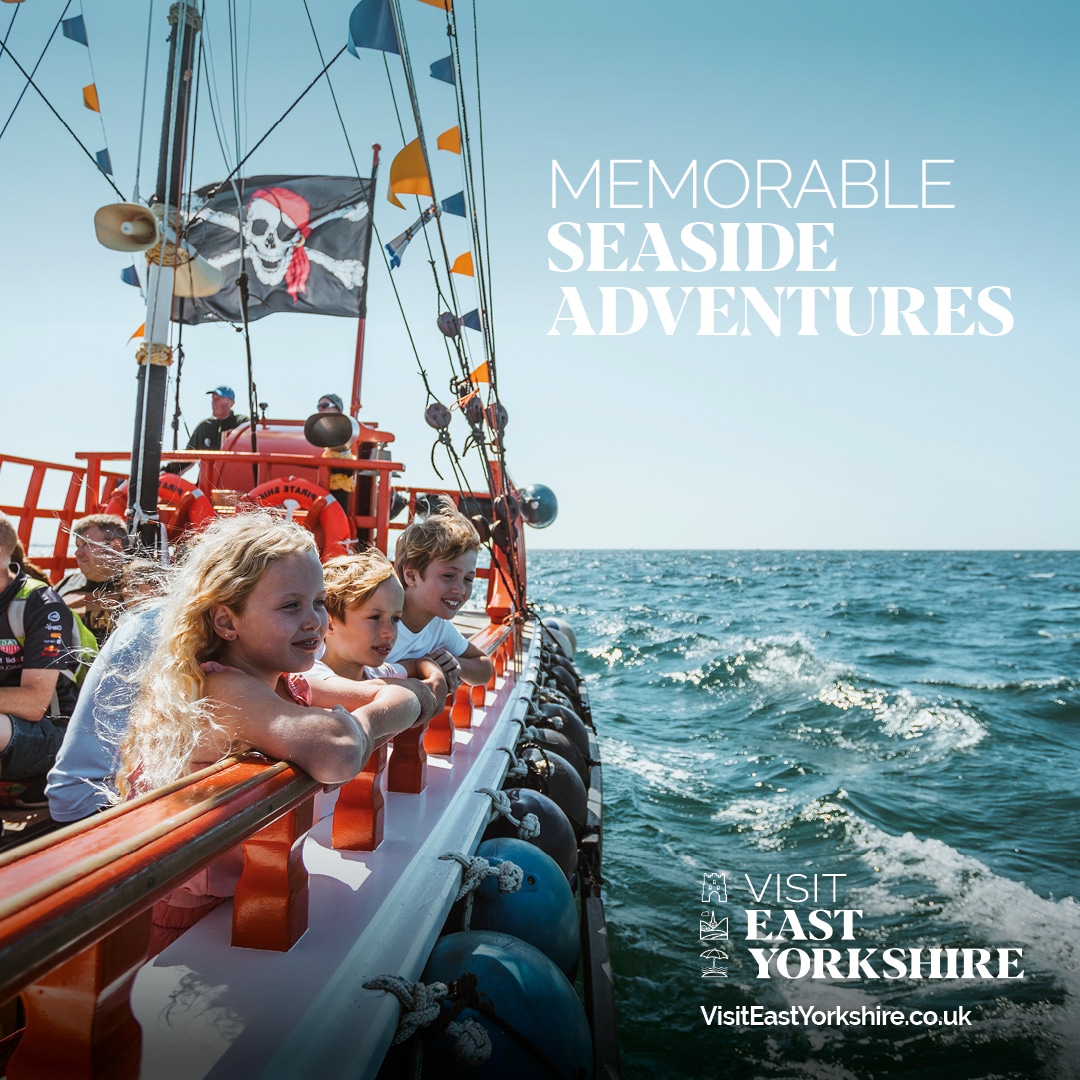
276,226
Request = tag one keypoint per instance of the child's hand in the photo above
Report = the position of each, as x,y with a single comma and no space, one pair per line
433,678
448,662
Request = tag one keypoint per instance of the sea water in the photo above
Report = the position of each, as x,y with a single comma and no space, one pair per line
900,731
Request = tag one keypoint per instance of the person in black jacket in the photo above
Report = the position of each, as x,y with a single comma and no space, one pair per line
37,690
207,434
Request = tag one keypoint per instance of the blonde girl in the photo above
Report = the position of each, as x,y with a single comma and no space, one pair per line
243,613
246,608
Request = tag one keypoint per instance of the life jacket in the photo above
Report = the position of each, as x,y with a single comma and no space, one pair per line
82,643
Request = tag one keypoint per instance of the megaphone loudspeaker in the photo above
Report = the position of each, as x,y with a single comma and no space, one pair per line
126,227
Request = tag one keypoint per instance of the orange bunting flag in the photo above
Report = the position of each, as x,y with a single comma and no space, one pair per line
89,97
463,264
450,140
408,175
480,374
141,332
446,5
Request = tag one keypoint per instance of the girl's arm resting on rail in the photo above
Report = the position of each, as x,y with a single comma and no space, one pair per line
331,745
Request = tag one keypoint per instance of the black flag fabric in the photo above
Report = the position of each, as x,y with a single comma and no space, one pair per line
305,242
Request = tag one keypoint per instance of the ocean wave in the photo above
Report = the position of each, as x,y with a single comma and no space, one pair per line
778,662
899,715
1053,682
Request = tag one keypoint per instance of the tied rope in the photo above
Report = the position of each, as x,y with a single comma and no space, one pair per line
474,870
421,1005
518,769
528,828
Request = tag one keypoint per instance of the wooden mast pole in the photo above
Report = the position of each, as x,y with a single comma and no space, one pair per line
358,363
152,376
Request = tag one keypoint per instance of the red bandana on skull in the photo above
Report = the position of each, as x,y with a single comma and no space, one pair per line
296,209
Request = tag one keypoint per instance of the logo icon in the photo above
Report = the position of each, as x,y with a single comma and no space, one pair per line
711,929
53,616
713,888
713,970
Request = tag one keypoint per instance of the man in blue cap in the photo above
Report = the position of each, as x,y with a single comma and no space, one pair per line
207,435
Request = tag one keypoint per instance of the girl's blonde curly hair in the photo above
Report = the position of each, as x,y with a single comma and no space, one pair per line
171,714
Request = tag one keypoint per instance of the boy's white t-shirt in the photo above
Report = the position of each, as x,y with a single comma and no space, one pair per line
322,670
438,634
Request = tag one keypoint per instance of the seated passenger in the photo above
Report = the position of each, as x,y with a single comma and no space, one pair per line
435,561
81,783
94,591
364,601
37,666
342,481
246,606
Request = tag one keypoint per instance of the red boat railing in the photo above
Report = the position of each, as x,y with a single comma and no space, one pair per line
75,913
88,489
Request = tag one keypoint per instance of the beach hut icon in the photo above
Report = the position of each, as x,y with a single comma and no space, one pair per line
713,888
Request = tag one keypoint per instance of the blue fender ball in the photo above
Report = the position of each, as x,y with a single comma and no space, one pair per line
541,1031
541,912
556,833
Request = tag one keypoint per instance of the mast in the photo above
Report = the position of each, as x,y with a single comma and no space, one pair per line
358,362
155,356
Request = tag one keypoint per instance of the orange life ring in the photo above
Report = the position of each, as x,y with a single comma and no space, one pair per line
185,506
322,513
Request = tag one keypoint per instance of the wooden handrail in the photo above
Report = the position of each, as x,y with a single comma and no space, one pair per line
63,892
100,877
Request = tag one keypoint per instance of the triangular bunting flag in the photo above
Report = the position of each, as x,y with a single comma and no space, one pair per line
75,29
444,70
480,374
471,319
371,26
463,264
90,98
450,140
408,175
138,333
129,276
455,204
104,162
401,242
444,4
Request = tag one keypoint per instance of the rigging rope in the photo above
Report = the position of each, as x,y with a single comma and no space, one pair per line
145,94
243,161
34,86
22,93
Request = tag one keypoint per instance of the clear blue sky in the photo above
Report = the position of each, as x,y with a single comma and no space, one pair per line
649,440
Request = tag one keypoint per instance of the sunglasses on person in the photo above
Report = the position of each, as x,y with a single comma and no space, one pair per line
324,405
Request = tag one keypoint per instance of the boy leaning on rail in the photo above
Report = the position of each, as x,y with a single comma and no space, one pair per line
435,560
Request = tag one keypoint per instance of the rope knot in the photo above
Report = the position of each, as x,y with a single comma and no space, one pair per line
419,1002
518,769
475,869
528,828
472,1044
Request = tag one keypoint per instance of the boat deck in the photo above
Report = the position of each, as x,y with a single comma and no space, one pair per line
210,1010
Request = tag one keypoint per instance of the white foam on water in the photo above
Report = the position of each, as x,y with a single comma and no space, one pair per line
940,729
761,822
995,909
664,775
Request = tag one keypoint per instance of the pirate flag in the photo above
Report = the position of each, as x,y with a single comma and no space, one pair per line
305,243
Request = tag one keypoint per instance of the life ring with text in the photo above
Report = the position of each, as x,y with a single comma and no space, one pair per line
322,513
182,506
